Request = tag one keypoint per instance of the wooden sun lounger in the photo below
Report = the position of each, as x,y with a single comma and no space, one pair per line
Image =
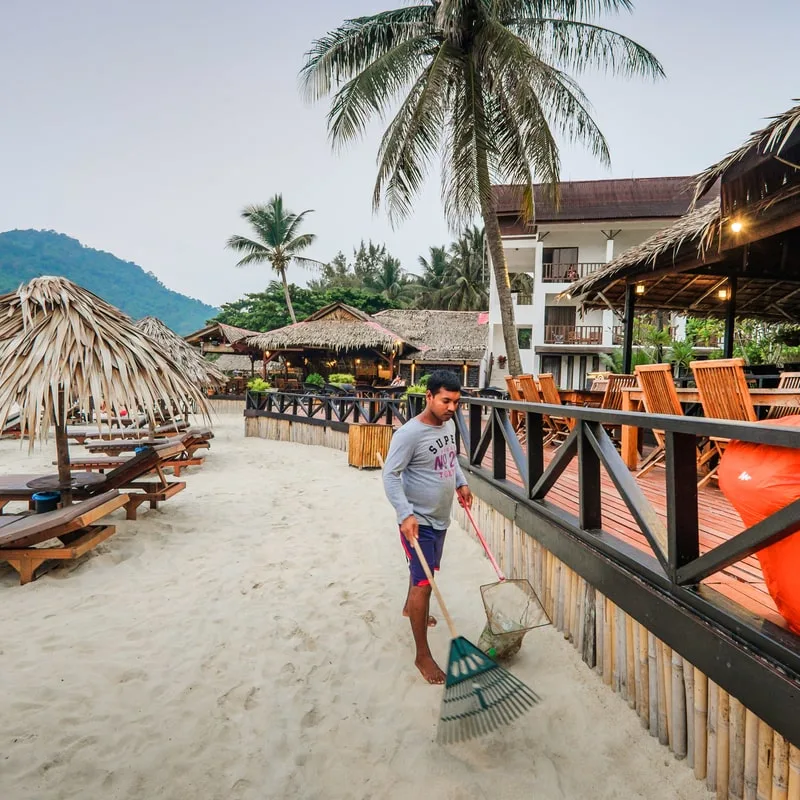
72,526
192,439
99,462
80,433
126,477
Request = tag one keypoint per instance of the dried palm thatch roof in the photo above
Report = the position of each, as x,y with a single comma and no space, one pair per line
335,327
229,334
773,142
692,235
441,336
235,362
63,344
192,364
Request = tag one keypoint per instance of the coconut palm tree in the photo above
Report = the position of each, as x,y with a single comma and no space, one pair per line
484,84
391,281
435,269
277,241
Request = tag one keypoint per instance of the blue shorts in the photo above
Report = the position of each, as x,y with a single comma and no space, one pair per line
431,543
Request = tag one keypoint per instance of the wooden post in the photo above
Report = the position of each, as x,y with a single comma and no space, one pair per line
730,316
652,674
711,751
764,785
688,700
643,678
780,767
750,755
663,721
627,344
700,723
62,448
679,743
723,743
736,753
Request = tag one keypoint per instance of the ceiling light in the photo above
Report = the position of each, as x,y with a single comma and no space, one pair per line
736,226
639,288
722,294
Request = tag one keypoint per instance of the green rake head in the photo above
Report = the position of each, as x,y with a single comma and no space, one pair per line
479,695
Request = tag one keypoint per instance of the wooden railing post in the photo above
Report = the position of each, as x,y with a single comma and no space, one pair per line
683,533
475,420
589,488
498,445
534,449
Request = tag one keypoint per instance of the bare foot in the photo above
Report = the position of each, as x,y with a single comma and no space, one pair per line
431,619
430,670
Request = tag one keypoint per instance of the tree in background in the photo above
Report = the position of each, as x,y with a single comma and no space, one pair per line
265,311
277,241
392,282
466,288
482,84
435,273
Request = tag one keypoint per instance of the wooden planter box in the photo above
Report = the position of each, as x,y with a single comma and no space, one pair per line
365,442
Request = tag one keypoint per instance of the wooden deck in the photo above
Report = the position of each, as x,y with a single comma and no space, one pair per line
742,582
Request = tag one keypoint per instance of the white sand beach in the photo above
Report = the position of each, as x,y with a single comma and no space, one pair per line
245,641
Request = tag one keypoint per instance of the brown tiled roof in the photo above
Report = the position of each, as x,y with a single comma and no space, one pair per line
584,201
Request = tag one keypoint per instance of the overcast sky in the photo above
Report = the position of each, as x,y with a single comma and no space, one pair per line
143,127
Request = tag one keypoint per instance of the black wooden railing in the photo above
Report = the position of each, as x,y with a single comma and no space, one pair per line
746,654
333,408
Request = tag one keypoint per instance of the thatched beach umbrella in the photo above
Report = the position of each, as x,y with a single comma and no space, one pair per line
60,344
196,368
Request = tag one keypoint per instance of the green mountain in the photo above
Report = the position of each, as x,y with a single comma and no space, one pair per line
29,254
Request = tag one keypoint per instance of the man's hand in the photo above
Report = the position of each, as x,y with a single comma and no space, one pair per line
464,496
409,527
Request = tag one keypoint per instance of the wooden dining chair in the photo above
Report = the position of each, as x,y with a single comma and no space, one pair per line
659,397
531,394
560,426
724,394
789,380
515,393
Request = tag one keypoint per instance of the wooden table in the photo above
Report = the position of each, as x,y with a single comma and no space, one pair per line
78,480
633,397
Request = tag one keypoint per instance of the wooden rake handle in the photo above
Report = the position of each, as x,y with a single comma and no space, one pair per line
439,598
429,576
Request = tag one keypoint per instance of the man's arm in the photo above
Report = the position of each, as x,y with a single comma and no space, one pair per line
398,458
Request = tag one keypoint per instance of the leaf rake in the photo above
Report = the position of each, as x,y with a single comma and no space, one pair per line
479,695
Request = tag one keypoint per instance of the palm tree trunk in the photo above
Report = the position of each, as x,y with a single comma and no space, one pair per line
498,265
286,295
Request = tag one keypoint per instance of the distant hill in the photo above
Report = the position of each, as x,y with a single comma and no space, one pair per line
30,254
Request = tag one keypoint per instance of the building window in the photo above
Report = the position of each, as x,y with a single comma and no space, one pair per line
524,338
560,264
552,364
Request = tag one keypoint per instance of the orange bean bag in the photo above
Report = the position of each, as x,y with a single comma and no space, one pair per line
758,480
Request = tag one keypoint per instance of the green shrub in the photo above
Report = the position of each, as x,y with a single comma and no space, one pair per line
341,377
315,379
258,385
423,382
416,388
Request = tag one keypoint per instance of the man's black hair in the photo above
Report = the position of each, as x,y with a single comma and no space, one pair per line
443,379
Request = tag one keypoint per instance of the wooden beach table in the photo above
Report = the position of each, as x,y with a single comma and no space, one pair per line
632,401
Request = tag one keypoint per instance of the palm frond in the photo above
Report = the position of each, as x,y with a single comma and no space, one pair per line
376,88
566,9
344,53
578,46
412,138
256,253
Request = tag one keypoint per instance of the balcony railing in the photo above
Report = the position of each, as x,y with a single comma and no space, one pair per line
573,334
567,273
523,299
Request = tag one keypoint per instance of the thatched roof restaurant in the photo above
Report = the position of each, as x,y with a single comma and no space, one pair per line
738,255
218,338
340,338
336,327
765,168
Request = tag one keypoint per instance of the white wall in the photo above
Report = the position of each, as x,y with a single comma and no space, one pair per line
525,255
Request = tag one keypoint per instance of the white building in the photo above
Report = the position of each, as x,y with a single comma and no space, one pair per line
596,221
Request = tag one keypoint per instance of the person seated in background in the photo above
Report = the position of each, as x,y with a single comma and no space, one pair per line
398,381
572,273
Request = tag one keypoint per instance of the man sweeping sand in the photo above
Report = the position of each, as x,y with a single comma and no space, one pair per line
420,476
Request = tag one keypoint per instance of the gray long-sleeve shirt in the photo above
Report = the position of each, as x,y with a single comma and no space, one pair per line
422,472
